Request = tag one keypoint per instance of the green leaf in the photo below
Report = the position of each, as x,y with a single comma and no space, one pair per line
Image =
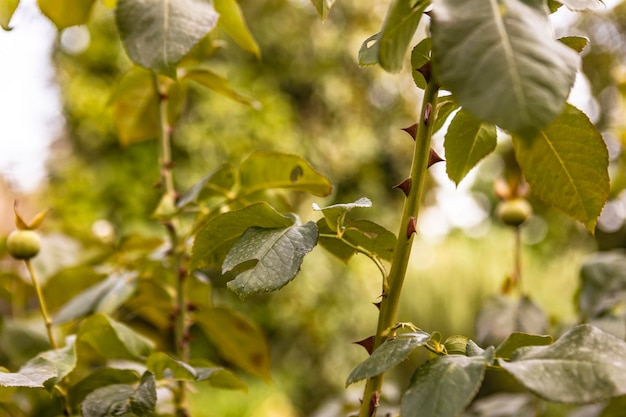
387,355
467,141
566,166
274,257
603,284
220,85
136,107
7,8
502,315
577,43
100,378
158,33
336,214
457,345
323,7
217,237
368,52
365,234
112,339
216,183
232,21
420,56
615,407
236,339
554,5
444,386
501,62
445,107
398,29
585,365
580,5
520,340
122,400
104,297
504,404
45,370
66,13
269,170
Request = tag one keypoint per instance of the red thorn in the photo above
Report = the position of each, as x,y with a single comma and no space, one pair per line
427,112
374,403
378,305
405,186
411,227
425,71
367,343
411,130
433,158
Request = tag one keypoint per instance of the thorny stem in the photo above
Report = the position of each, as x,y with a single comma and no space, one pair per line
389,305
167,179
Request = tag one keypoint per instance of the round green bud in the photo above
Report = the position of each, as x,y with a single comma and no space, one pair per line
514,212
23,244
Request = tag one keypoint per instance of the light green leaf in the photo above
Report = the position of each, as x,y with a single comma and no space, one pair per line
216,183
398,29
268,170
100,378
217,237
220,85
336,214
323,7
566,166
444,386
7,8
158,33
365,234
66,13
445,107
520,340
388,355
467,141
45,370
271,257
232,21
122,400
236,339
583,4
368,52
577,43
500,61
420,56
602,284
136,107
112,339
585,365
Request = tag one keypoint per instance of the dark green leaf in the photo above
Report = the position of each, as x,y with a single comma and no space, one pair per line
323,7
112,339
232,21
398,29
278,252
554,5
66,13
368,53
363,234
218,236
269,170
420,56
220,85
603,284
444,386
615,407
122,400
388,355
45,370
336,214
468,140
583,4
237,340
519,340
501,62
577,43
158,33
7,8
502,315
100,378
571,153
585,365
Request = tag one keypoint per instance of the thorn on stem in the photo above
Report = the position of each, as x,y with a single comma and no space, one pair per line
411,227
367,343
411,130
405,186
374,403
425,71
378,305
433,158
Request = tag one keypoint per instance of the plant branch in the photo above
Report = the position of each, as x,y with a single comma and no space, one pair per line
42,304
389,305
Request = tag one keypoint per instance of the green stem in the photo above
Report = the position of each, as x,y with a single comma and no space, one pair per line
516,276
167,180
42,303
389,305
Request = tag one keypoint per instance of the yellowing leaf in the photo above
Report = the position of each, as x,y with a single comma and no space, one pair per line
66,13
7,8
232,21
